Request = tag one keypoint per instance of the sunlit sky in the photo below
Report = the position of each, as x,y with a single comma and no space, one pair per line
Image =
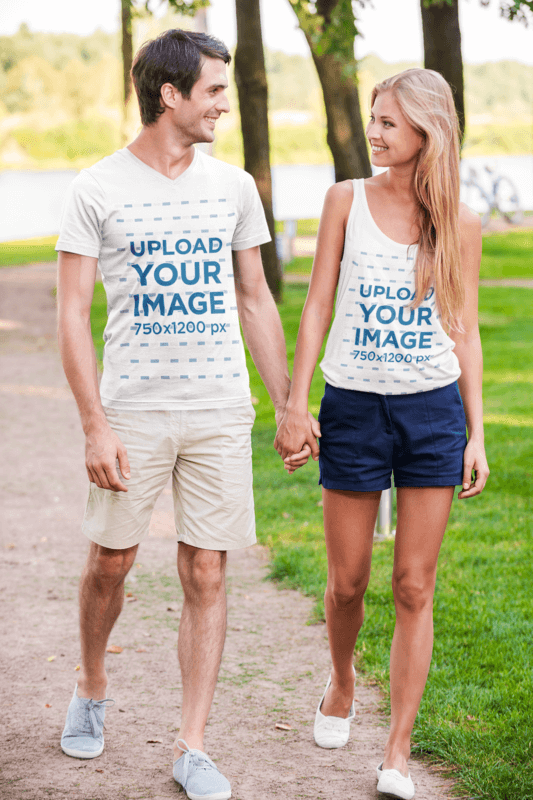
391,28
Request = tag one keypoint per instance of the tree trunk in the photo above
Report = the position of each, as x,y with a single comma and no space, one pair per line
127,48
346,135
330,31
442,48
127,60
250,76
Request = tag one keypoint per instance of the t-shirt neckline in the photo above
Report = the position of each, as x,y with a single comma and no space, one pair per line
158,175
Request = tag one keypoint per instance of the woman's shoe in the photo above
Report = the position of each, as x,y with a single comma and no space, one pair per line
332,732
393,783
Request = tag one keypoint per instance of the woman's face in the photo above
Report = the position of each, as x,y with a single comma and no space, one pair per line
393,139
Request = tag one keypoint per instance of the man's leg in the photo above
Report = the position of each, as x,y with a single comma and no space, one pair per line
214,513
201,637
101,600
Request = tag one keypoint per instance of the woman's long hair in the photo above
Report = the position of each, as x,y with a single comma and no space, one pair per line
426,101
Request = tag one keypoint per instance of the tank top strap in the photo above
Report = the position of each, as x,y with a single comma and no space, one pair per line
356,216
358,188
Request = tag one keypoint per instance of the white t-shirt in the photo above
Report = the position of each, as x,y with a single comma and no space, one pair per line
377,343
172,339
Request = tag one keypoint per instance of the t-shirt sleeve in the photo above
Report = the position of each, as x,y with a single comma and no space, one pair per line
82,218
251,228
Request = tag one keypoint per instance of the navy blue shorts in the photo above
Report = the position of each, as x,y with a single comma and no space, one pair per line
366,437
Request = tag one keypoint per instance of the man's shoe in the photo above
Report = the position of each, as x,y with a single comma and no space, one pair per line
83,736
393,783
332,732
198,776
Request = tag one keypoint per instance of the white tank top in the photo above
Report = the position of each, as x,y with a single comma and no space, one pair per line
377,343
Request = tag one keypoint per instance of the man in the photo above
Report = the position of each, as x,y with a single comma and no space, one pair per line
161,220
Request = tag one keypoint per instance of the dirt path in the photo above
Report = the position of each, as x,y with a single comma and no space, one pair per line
274,664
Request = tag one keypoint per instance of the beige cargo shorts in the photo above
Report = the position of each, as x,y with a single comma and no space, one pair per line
209,455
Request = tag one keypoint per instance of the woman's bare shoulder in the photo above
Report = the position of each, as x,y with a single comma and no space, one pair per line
341,191
339,198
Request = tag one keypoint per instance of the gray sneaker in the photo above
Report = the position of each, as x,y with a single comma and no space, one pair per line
198,776
83,736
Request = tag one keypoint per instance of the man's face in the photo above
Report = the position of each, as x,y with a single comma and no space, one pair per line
195,118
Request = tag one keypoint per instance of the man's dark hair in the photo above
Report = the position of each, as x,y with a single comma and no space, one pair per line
174,57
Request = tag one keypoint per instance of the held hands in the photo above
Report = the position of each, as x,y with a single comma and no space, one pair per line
474,461
296,439
102,449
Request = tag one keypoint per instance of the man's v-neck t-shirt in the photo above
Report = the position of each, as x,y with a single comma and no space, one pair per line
164,249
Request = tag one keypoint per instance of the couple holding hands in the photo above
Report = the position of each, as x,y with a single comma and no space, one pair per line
176,236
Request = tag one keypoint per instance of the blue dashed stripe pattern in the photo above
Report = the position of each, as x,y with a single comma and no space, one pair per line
377,342
164,247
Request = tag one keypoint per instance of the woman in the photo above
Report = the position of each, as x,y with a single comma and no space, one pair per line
403,255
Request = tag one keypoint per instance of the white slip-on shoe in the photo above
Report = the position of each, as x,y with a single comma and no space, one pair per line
393,783
332,732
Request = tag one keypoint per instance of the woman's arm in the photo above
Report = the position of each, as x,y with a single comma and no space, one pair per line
295,427
468,351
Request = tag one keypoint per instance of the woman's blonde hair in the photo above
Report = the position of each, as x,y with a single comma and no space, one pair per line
426,101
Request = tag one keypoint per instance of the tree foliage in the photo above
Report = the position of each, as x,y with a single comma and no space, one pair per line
521,10
55,48
47,71
52,81
330,27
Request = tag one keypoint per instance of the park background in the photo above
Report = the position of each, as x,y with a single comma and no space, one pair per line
61,109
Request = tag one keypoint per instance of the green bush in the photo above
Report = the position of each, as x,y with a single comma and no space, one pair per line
492,140
28,251
289,144
74,140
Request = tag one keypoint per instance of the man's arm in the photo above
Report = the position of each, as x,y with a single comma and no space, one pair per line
263,333
261,325
75,288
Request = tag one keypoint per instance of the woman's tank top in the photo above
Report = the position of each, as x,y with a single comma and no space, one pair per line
377,343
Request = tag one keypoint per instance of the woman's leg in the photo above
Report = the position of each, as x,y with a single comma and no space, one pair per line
349,520
422,515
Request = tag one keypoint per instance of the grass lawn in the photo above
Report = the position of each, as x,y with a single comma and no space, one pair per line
508,255
505,255
477,711
28,251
